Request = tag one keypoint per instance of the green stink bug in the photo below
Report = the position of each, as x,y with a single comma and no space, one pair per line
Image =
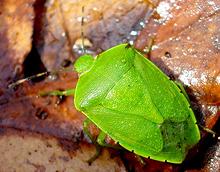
132,101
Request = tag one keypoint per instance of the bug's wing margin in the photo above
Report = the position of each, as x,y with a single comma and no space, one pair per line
147,141
128,130
179,129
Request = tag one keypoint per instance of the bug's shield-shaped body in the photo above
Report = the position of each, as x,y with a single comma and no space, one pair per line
137,105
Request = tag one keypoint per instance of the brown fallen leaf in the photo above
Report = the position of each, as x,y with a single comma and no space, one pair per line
22,110
106,23
16,27
27,151
186,47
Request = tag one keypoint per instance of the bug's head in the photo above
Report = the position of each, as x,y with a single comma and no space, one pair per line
84,63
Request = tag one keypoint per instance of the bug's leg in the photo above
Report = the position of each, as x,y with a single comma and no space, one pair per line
214,134
182,90
69,92
101,141
95,156
86,124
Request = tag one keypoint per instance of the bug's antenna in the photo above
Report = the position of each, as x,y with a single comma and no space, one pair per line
20,81
47,73
82,31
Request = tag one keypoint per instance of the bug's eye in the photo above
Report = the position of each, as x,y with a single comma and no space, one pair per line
83,63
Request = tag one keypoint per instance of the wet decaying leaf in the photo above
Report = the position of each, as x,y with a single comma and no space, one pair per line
213,160
106,23
212,155
186,47
45,133
25,151
16,27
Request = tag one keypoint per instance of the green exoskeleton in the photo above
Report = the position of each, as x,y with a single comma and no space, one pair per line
132,101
